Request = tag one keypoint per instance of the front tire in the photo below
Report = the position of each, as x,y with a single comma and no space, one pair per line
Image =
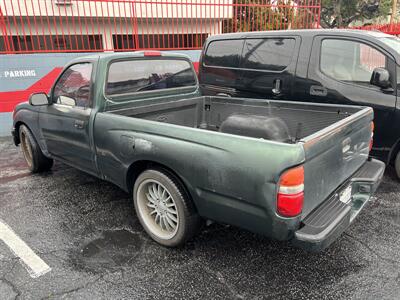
164,208
34,156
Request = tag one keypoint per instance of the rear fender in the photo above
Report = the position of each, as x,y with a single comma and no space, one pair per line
142,164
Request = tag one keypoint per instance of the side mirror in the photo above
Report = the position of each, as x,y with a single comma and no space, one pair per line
66,101
38,99
380,77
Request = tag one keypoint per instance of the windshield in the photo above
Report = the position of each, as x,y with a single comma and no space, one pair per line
392,42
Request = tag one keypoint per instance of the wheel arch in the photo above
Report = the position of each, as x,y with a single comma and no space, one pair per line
36,135
137,167
17,126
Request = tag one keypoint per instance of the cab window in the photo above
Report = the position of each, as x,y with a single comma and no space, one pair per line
132,76
350,61
73,87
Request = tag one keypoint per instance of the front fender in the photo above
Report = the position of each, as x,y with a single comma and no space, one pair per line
29,116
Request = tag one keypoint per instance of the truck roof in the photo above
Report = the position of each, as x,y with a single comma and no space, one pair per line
145,53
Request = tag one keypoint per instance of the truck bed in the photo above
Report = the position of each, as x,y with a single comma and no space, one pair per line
334,140
209,112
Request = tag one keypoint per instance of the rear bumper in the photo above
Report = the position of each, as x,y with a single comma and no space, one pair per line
328,221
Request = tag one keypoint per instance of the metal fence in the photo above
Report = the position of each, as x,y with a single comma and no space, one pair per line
393,29
31,26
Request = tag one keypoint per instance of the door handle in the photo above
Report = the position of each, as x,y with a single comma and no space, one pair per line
317,90
276,89
79,124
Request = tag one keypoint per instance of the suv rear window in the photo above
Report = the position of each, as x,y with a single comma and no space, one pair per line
224,53
273,54
131,76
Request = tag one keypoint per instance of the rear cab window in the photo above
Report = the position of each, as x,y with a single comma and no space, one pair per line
137,75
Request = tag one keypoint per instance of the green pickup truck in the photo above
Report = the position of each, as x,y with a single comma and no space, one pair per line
288,170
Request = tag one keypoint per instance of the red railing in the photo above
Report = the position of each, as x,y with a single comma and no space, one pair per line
393,29
31,26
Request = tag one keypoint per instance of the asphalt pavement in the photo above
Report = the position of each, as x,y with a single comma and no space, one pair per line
86,231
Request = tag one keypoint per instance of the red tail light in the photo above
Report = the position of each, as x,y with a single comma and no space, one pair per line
291,193
371,142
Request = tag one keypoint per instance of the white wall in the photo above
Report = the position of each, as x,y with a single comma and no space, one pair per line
102,8
44,17
107,28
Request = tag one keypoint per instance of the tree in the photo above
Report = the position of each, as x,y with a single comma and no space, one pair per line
341,13
256,15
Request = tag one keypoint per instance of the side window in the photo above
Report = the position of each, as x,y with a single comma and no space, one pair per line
350,61
268,54
73,87
131,76
224,53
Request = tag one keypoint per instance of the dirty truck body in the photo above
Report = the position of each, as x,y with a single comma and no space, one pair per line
304,182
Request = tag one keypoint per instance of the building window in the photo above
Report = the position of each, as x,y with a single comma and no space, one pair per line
123,42
171,41
92,42
63,2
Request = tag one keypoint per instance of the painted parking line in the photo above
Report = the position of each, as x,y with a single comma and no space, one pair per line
35,266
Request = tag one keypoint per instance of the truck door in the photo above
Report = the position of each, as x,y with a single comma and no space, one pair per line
65,123
340,70
268,66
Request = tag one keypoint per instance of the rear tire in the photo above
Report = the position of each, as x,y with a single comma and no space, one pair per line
34,156
164,208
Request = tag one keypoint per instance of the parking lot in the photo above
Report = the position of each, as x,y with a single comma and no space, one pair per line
85,230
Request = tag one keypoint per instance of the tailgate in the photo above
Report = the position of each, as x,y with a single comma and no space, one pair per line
333,154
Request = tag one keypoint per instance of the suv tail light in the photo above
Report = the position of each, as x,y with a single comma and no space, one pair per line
291,192
371,142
